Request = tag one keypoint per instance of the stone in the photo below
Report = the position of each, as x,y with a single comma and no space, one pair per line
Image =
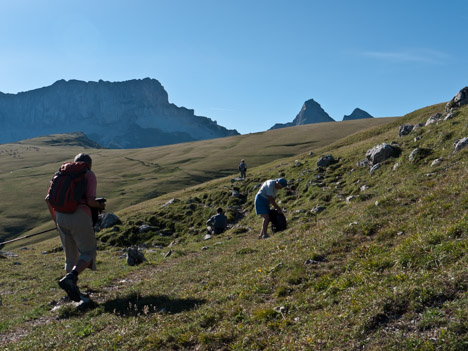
374,168
145,228
448,116
317,209
363,163
325,161
380,153
460,144
458,100
437,161
405,129
433,119
134,256
171,201
108,220
350,198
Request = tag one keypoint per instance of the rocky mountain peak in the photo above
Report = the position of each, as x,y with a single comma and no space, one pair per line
357,114
311,112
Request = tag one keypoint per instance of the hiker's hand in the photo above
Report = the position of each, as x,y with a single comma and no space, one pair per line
102,205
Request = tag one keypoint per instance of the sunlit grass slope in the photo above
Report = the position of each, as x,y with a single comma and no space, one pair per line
383,267
127,177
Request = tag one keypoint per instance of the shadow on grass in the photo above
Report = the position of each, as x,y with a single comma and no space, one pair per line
135,304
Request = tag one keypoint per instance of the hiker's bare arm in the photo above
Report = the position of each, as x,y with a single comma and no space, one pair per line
91,201
275,205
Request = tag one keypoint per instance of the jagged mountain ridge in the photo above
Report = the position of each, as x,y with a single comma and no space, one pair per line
129,114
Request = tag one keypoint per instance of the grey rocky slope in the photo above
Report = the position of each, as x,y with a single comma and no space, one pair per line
130,114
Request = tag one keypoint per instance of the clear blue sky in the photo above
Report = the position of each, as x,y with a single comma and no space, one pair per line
247,64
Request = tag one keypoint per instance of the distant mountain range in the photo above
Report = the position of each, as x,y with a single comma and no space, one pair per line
312,112
130,114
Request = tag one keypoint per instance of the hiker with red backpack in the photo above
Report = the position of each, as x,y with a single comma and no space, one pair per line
266,196
71,200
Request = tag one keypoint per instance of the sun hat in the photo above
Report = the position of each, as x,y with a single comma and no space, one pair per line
283,182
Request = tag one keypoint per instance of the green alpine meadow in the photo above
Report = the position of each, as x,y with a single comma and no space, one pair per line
375,256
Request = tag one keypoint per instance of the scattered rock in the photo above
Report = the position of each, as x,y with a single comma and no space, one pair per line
280,309
168,253
145,228
107,220
134,256
460,143
325,161
364,187
374,168
350,198
363,163
353,224
380,153
310,261
8,254
458,100
207,237
171,201
311,153
433,119
317,209
417,126
297,163
437,161
204,248
405,129
448,116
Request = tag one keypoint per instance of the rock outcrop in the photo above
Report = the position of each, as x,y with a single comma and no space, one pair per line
130,114
311,112
357,114
458,100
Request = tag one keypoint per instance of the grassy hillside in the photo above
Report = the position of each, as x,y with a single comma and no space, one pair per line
127,177
383,267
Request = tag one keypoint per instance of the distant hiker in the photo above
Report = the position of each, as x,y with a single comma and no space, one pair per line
242,169
266,196
217,224
75,225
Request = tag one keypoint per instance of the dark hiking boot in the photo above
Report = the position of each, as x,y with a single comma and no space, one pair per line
68,283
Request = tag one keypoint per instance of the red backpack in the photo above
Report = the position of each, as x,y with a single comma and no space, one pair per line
68,187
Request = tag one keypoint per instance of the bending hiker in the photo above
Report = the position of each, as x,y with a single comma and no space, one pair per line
76,226
217,223
266,196
242,169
